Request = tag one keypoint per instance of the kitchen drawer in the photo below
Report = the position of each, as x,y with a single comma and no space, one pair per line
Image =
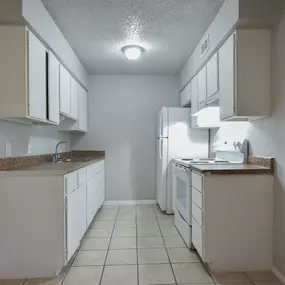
91,171
197,198
197,213
197,181
99,166
70,182
197,237
82,176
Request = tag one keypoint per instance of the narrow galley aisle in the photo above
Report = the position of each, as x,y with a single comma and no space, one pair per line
139,245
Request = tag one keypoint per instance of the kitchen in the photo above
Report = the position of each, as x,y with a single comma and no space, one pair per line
103,108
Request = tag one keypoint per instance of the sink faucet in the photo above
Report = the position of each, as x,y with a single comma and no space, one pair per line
56,156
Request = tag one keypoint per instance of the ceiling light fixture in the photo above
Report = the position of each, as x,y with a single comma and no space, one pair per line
132,52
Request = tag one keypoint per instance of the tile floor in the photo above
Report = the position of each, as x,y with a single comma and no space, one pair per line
139,245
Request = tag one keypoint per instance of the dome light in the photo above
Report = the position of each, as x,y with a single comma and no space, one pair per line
132,52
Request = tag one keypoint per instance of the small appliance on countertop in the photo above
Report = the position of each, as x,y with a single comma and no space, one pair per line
235,153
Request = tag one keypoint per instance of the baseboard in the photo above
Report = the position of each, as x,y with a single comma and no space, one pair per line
278,274
130,202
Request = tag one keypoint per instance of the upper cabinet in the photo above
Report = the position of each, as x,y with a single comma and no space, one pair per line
82,120
194,95
213,76
186,95
53,88
245,77
65,88
74,94
23,76
202,87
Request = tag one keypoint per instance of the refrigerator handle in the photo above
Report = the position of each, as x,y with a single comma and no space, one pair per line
161,126
160,148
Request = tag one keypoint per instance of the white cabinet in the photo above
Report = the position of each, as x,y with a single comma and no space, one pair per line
72,238
82,120
245,75
212,76
74,94
53,88
222,210
82,209
185,95
65,88
23,75
202,87
194,95
37,77
90,200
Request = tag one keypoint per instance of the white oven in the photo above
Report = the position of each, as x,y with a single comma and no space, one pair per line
182,191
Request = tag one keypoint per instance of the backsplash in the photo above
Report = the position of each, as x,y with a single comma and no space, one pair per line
40,139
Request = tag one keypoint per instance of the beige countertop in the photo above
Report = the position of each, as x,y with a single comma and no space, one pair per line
52,168
231,169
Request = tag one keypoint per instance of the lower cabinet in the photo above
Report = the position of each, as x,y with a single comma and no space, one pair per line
82,202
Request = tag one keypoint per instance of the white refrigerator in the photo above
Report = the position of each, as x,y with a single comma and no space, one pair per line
175,139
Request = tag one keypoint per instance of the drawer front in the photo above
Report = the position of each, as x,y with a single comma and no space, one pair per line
197,181
90,171
197,198
82,176
99,166
71,182
197,214
197,237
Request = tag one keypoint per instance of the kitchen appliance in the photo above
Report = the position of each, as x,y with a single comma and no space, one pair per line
182,186
175,139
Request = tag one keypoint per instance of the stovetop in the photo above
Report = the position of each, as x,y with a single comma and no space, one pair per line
189,161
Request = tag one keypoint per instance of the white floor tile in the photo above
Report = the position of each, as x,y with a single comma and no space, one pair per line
262,276
99,233
90,275
90,257
155,274
177,255
152,255
226,277
123,243
150,232
120,275
174,242
120,257
150,242
106,225
191,273
124,232
95,243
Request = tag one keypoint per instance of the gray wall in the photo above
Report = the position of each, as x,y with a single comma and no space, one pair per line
41,138
122,121
267,137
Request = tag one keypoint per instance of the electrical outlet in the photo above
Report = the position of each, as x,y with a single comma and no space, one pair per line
8,147
30,148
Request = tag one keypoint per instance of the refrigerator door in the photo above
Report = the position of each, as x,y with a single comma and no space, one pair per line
162,123
162,162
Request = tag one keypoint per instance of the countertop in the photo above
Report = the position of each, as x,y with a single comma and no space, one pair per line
52,168
231,169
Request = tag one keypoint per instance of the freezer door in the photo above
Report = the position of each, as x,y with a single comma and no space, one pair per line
162,123
162,162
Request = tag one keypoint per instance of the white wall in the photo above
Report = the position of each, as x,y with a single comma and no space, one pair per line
122,121
267,137
38,17
43,139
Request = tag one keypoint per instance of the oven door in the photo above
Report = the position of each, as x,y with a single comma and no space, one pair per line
183,192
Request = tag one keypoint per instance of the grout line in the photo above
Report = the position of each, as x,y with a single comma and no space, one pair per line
175,280
104,265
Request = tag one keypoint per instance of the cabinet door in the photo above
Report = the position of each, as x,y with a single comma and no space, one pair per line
90,201
37,78
64,96
53,88
74,99
227,81
186,95
103,187
194,95
73,240
202,85
212,76
82,109
82,223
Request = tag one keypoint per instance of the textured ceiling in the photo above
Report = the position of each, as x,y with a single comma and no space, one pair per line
169,30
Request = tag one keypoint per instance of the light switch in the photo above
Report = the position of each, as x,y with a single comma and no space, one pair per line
8,149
